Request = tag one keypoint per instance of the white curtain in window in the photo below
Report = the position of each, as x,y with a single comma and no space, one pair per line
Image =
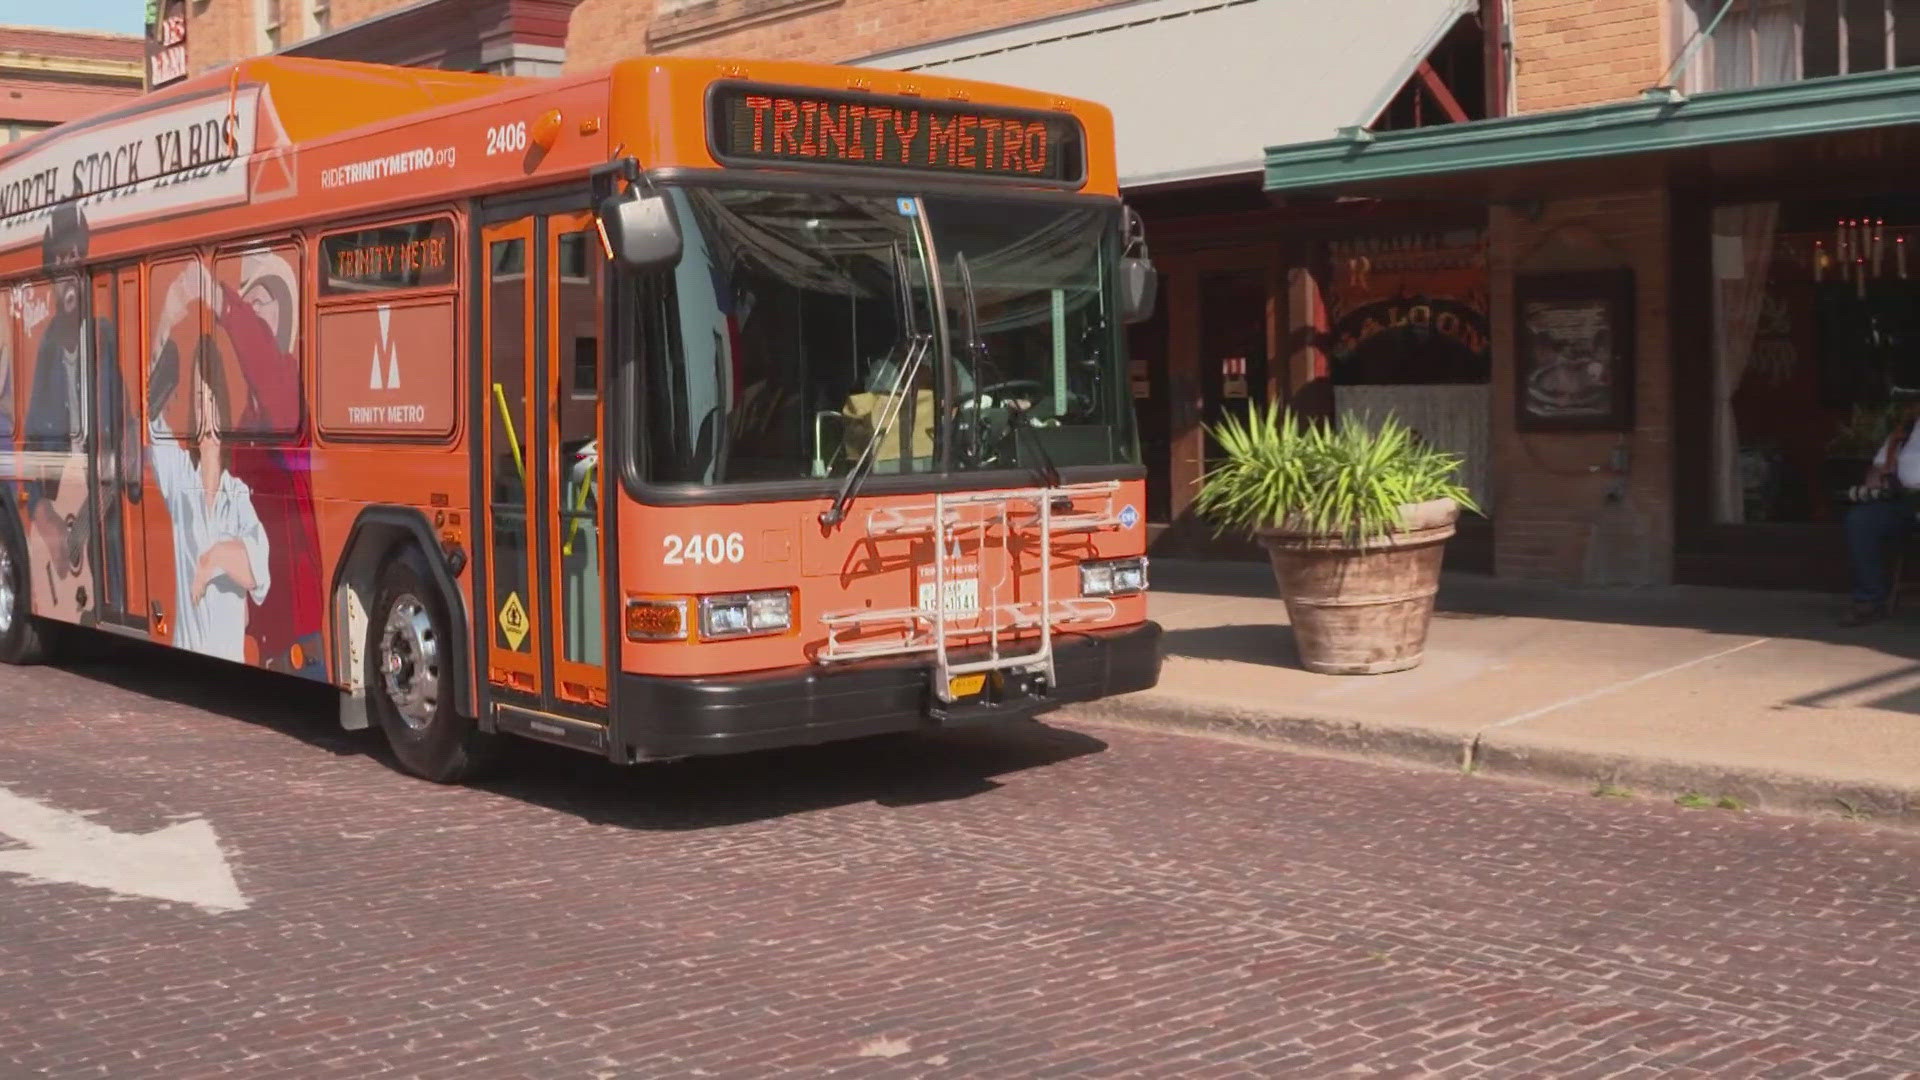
1742,251
1776,43
1757,43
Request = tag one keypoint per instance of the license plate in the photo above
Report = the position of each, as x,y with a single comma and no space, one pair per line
963,596
966,685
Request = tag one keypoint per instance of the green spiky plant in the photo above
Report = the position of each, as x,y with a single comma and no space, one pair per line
1347,480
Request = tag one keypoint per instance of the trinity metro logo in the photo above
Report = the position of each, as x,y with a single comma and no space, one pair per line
383,340
385,350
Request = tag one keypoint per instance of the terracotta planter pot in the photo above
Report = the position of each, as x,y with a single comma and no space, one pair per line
1363,611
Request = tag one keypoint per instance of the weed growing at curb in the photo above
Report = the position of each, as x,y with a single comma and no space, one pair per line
1693,800
1612,791
1852,812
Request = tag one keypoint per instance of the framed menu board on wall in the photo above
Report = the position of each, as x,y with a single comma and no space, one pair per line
1574,341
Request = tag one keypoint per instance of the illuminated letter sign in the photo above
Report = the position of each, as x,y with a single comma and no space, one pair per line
416,255
761,125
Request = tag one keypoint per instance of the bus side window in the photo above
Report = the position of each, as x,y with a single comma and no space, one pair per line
177,324
256,311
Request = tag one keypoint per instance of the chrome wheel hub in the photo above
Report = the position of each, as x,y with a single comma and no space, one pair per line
410,662
7,596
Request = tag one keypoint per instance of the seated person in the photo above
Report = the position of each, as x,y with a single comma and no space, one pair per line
866,405
1882,515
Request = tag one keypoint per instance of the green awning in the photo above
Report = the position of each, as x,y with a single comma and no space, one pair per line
1649,126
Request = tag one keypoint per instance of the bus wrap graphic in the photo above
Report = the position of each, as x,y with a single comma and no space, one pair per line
179,157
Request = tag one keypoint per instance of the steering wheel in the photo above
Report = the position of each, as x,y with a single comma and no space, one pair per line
998,391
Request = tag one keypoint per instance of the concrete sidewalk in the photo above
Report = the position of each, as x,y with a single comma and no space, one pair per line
1752,696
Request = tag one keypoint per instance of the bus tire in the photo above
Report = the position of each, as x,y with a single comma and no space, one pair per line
409,678
23,638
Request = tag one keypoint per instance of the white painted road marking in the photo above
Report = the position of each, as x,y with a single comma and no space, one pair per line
182,862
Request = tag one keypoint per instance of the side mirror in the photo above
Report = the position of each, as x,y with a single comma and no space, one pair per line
1139,282
642,230
1139,287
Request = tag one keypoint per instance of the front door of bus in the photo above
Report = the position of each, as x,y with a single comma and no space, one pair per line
541,467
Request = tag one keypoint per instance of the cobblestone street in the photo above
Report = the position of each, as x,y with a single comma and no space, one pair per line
1040,901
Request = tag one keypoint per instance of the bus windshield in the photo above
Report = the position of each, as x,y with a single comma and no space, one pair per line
778,343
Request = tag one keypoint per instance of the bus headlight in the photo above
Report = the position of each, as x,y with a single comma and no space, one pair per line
1114,577
746,614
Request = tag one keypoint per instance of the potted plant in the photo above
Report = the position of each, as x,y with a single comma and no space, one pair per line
1355,519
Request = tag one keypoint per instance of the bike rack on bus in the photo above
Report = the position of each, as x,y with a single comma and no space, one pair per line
1012,633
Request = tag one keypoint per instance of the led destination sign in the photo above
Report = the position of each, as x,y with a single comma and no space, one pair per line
755,124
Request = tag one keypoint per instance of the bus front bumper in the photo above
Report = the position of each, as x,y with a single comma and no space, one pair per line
661,717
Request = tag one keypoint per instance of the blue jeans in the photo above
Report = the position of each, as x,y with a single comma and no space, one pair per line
1872,530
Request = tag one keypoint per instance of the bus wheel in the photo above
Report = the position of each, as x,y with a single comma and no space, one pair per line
23,638
410,679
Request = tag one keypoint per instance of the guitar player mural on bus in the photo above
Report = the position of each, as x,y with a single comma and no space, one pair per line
59,505
239,493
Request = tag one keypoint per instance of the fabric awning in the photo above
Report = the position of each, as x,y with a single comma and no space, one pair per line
1200,88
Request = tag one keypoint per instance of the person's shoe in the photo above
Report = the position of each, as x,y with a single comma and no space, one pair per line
1862,614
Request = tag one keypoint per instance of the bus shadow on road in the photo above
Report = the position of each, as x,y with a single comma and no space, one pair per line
939,765
897,771
305,710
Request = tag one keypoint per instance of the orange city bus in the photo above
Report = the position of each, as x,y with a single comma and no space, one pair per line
685,407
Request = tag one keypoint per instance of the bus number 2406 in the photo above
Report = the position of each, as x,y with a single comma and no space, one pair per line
507,139
711,548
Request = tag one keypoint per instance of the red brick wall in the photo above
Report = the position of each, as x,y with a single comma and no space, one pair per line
1561,512
833,30
222,31
218,33
1569,53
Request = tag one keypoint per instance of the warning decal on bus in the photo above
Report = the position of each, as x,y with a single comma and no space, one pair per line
513,621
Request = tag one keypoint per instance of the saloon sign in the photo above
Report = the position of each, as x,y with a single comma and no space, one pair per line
166,42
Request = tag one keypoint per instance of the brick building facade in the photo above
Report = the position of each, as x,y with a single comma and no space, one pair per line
49,77
1749,176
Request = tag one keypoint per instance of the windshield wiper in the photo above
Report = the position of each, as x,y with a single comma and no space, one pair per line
971,349
917,342
917,348
1016,415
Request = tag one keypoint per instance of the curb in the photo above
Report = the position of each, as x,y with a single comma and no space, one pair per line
1507,755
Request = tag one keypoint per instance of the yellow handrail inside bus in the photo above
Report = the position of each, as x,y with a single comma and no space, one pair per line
587,481
513,440
520,465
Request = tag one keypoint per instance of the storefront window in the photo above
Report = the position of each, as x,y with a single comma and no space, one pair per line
1407,329
1816,330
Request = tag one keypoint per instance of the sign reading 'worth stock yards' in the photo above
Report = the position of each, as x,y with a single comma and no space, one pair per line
177,157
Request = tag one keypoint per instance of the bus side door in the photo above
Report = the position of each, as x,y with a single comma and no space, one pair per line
544,587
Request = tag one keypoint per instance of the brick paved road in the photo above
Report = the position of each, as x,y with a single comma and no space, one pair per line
1038,902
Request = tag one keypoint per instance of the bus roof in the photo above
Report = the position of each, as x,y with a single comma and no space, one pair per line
276,140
